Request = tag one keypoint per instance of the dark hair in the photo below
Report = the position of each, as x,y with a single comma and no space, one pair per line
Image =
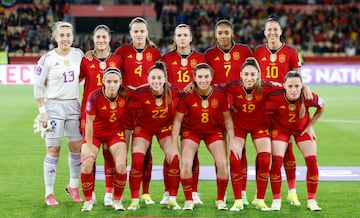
296,74
167,86
293,74
273,17
182,25
114,70
226,22
251,61
102,26
203,66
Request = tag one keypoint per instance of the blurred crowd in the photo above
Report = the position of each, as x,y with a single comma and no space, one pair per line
329,30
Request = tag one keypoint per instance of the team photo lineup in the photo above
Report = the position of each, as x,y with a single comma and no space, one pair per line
183,98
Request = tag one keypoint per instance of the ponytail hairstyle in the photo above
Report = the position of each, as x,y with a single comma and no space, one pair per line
142,20
167,86
116,71
296,74
251,61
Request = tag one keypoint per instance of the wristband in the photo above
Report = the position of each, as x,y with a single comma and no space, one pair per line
42,109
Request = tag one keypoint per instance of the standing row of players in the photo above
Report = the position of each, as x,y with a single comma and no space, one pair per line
134,67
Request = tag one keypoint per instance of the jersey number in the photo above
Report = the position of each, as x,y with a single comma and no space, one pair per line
272,72
292,118
138,71
183,77
68,76
159,113
205,117
248,108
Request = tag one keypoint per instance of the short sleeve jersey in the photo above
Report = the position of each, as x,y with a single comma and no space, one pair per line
197,116
249,108
153,113
285,114
59,74
137,64
275,66
93,71
227,67
107,114
181,70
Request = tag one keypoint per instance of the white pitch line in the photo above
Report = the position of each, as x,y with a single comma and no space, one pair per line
339,121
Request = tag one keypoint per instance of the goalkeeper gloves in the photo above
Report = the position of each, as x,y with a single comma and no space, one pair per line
38,127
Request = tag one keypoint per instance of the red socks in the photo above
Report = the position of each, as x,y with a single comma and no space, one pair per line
236,176
136,174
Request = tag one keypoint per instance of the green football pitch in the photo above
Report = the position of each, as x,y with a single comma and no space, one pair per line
22,154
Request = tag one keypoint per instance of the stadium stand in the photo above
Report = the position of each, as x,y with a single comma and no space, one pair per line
315,30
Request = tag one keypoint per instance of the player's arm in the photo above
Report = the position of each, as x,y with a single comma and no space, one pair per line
317,114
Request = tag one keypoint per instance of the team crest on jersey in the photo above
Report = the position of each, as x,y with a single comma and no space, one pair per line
214,103
282,58
121,103
274,132
236,56
185,133
92,66
137,129
149,56
193,62
112,64
258,96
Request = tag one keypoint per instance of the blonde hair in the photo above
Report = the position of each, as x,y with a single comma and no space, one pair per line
57,26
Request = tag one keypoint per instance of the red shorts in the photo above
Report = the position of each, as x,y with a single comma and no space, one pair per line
148,134
209,136
109,140
257,134
284,135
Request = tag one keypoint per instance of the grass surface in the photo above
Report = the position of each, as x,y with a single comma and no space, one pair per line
22,154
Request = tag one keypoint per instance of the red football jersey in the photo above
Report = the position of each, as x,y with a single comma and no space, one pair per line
249,109
92,72
181,72
107,114
275,66
136,64
152,113
227,67
198,117
285,115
